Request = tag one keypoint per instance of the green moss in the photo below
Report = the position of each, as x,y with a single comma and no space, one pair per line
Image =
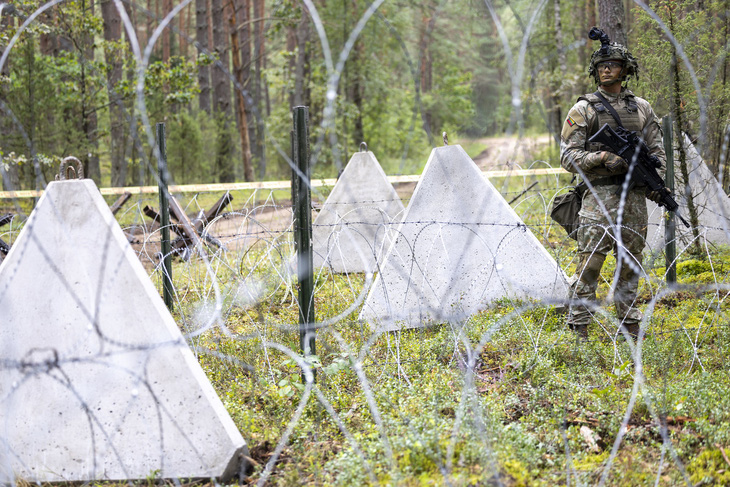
590,462
710,467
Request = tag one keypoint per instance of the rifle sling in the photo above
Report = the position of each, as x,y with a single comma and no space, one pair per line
619,178
610,109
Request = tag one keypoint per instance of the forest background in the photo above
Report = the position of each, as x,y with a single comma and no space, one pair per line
224,74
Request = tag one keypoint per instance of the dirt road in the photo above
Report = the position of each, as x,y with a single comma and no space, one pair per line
507,152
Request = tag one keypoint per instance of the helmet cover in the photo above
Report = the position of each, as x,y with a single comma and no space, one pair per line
611,51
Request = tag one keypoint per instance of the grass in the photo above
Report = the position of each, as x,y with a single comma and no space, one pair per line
507,397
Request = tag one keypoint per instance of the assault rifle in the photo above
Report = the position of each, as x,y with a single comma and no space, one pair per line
631,147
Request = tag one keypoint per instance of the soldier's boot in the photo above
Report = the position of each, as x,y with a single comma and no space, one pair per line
580,331
583,293
632,329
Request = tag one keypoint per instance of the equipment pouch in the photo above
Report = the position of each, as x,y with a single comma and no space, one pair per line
566,207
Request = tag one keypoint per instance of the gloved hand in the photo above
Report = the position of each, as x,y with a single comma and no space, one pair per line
615,164
655,196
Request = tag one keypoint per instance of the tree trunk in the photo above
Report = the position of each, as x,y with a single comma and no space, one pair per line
31,178
11,177
258,93
555,116
48,41
356,92
113,33
291,49
719,133
133,145
222,94
724,150
559,44
201,36
357,100
588,19
352,83
243,14
221,82
425,66
184,29
613,20
240,102
139,30
166,8
265,86
150,25
89,120
6,21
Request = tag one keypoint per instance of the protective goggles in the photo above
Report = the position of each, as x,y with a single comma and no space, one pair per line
609,65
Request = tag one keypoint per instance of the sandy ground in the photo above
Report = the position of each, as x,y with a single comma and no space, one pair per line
508,152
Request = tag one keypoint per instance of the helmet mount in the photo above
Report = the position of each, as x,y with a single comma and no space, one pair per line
597,34
611,51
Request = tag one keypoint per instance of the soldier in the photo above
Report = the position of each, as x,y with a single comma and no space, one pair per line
601,211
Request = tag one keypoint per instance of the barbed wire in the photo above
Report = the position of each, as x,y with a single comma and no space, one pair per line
236,303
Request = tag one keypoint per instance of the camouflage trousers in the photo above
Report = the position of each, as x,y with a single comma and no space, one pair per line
597,236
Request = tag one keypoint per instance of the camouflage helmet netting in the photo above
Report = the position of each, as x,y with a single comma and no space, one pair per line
615,51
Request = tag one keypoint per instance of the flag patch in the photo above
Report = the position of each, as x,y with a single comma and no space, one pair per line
570,121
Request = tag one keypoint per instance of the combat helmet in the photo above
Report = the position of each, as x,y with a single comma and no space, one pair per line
611,50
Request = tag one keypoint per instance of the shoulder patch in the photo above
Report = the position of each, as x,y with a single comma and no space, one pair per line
575,119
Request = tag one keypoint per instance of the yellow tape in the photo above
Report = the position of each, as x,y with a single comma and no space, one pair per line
316,183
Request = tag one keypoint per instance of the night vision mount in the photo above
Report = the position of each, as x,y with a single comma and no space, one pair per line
597,34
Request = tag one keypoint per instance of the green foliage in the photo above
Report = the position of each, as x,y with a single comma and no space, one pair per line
225,148
702,35
532,396
189,159
709,468
175,81
481,81
535,391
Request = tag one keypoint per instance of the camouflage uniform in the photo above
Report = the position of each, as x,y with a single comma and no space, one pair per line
600,211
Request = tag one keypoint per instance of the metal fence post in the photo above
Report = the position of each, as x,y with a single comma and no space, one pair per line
165,246
302,200
670,224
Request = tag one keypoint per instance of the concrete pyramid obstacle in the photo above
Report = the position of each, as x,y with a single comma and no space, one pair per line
710,200
356,223
459,247
96,380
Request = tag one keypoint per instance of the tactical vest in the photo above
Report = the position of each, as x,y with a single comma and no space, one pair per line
628,112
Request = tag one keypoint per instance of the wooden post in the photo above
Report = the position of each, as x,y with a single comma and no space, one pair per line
302,198
670,240
165,246
120,202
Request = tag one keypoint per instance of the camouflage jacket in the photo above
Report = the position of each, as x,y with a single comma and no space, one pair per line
573,138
